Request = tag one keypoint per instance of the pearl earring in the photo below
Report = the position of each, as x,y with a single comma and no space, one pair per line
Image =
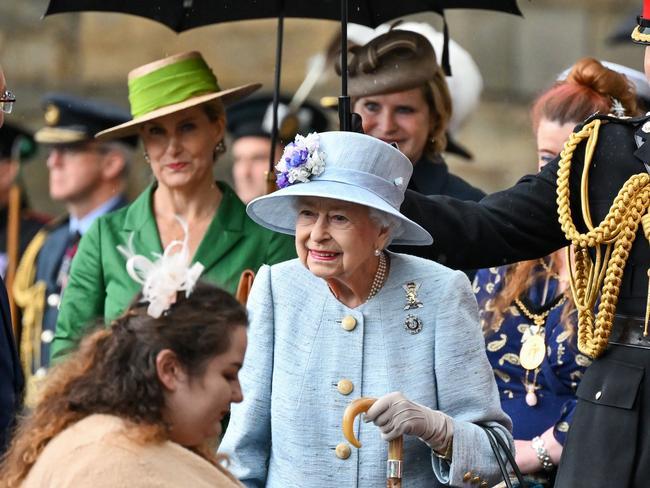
377,252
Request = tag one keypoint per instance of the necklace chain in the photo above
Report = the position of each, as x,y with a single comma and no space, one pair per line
538,318
380,277
548,268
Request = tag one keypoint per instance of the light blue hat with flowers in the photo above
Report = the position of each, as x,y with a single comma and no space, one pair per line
343,166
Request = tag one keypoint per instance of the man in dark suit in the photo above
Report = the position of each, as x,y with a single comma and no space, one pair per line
607,444
11,378
89,177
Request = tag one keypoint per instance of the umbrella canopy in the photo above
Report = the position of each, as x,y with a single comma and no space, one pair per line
182,15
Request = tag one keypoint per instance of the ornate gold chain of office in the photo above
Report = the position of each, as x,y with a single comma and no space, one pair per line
611,240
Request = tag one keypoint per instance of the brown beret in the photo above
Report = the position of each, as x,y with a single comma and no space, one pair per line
395,61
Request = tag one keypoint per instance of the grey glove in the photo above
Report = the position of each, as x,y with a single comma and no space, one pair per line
396,415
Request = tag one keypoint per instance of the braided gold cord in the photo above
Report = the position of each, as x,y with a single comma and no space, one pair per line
645,221
611,240
638,36
29,295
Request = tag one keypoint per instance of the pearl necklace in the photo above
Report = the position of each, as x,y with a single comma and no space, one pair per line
380,277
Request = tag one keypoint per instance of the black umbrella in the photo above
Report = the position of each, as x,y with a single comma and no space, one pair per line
182,15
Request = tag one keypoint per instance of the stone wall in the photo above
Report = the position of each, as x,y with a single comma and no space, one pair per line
91,53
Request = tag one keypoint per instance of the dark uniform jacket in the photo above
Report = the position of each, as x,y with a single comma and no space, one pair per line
46,266
30,224
521,223
432,177
607,444
11,377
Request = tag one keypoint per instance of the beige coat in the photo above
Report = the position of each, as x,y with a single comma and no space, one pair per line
95,453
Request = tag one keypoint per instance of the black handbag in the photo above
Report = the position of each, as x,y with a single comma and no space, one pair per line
500,449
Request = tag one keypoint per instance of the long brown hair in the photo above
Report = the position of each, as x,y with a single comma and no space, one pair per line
114,372
518,278
436,94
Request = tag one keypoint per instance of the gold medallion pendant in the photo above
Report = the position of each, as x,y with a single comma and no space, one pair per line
532,352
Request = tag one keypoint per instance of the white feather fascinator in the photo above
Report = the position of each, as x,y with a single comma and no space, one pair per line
164,277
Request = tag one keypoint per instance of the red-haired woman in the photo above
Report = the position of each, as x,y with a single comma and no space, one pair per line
526,310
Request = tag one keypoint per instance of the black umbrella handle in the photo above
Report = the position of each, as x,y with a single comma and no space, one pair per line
276,91
345,116
345,123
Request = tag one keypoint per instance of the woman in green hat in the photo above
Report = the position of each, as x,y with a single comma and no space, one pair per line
178,111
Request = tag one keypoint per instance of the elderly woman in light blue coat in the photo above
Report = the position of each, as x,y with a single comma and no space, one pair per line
349,319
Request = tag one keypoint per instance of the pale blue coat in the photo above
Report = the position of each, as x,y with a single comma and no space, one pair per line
285,431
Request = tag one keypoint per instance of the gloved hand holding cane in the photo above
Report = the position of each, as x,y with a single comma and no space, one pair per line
395,415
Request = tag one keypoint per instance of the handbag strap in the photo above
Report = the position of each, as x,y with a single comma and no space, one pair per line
499,446
502,465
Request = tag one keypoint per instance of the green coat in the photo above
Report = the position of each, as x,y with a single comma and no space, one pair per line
99,285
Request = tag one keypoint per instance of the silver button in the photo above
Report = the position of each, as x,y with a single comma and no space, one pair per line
47,336
646,127
598,395
53,299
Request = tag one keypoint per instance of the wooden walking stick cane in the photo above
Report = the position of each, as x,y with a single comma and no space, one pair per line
13,244
395,447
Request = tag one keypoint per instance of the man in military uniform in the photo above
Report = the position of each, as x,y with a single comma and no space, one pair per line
607,444
16,147
249,126
89,177
11,377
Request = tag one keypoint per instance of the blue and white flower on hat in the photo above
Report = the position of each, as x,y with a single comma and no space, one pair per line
300,161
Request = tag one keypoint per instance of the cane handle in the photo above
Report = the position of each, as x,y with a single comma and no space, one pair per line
360,405
395,447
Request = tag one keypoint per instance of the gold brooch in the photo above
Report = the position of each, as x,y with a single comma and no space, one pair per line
412,301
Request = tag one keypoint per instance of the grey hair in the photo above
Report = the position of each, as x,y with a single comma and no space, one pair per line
385,220
124,150
381,219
